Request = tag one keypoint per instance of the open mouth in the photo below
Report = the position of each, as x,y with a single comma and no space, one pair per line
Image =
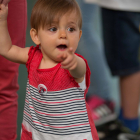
61,47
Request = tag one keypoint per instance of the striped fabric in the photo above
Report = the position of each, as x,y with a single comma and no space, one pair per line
59,112
55,107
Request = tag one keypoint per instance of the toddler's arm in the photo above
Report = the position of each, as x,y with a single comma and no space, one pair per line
75,64
9,51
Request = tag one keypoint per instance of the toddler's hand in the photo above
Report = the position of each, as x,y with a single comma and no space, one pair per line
69,60
3,12
5,2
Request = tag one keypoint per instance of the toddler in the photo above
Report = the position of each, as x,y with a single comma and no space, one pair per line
58,79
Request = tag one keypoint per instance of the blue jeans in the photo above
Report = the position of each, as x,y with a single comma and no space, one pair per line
122,41
91,48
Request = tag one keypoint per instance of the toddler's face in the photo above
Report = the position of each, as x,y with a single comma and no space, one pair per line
60,36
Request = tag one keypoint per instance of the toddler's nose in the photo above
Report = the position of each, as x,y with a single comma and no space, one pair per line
62,34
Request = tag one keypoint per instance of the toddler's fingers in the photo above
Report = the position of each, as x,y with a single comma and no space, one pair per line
3,7
62,56
70,50
68,65
67,61
5,2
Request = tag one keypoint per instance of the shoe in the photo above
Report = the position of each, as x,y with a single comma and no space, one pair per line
102,111
115,131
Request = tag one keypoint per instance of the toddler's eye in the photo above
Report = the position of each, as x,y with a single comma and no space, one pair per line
71,29
53,29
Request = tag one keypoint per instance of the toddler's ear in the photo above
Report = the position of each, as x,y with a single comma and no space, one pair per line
80,34
34,36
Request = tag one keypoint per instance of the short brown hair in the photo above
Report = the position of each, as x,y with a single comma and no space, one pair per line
44,12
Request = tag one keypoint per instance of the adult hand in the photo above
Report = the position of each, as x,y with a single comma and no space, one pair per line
5,2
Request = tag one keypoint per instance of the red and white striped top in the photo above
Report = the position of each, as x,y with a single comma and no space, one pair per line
55,107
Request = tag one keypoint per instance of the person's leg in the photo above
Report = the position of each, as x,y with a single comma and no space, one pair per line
130,93
17,18
90,46
122,39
